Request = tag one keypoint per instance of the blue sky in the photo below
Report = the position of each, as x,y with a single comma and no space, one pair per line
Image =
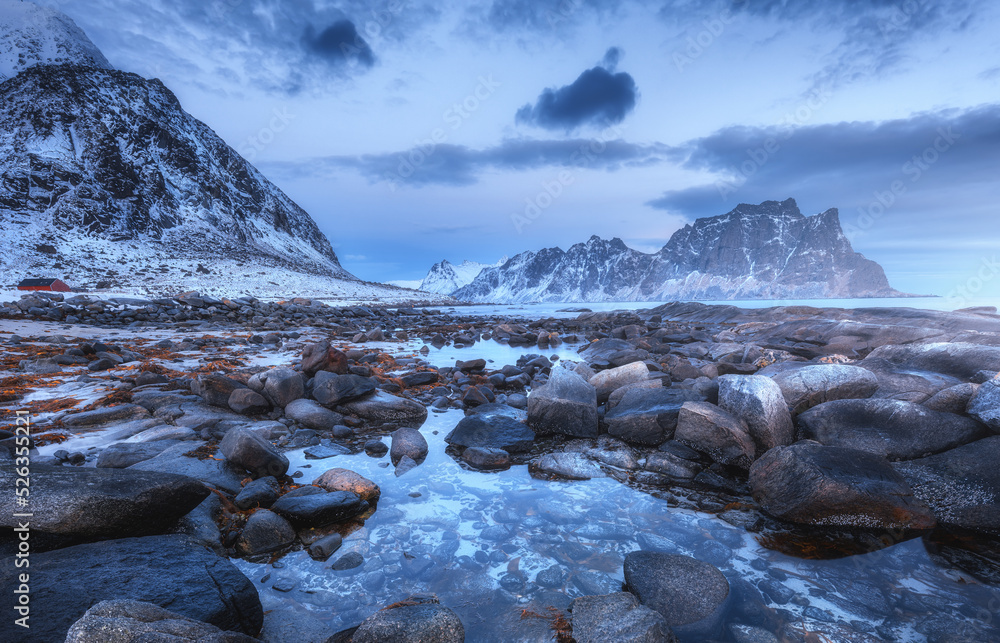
414,131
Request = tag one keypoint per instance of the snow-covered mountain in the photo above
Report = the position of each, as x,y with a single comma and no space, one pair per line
766,251
105,180
31,35
445,277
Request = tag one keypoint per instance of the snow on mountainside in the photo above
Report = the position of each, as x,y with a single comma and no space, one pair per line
106,181
31,35
766,251
445,277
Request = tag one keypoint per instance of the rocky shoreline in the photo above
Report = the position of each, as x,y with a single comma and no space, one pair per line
170,436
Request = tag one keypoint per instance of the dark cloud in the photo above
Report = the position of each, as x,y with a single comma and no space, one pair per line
447,164
340,43
611,58
598,97
931,163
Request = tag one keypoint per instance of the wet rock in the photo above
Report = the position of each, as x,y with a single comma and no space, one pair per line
486,458
326,546
408,442
406,622
647,416
670,465
376,448
566,404
383,407
985,405
954,399
312,415
322,357
494,409
568,465
405,465
127,620
347,480
812,484
330,389
419,378
293,626
282,386
172,571
758,401
248,402
100,503
956,359
711,430
316,510
617,618
106,415
265,532
492,432
804,388
261,492
215,388
245,448
962,485
552,577
474,396
124,454
608,381
221,474
163,432
689,594
891,428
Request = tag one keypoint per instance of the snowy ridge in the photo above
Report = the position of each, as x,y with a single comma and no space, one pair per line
445,277
765,251
31,35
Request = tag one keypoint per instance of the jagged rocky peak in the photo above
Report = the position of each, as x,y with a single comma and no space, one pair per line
31,35
764,251
445,277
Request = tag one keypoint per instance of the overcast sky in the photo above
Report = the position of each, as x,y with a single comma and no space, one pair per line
415,131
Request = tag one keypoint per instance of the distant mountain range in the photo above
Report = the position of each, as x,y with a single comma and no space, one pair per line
445,277
765,251
106,180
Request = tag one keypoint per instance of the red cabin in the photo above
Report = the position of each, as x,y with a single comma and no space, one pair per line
54,285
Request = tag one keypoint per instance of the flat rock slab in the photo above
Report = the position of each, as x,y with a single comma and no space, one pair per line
690,594
125,620
962,486
220,474
813,484
330,389
173,572
124,454
101,503
383,407
492,432
957,359
806,387
106,415
893,429
566,405
897,382
617,618
493,409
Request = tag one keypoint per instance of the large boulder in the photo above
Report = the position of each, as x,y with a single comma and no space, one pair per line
100,503
312,415
323,357
219,473
347,480
962,486
804,388
115,621
617,618
890,428
247,401
282,386
758,401
607,381
246,448
813,484
722,436
957,359
985,405
691,595
385,408
318,509
566,405
408,442
411,621
330,389
647,416
492,432
170,571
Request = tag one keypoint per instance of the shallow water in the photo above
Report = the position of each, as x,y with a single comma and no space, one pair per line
464,536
